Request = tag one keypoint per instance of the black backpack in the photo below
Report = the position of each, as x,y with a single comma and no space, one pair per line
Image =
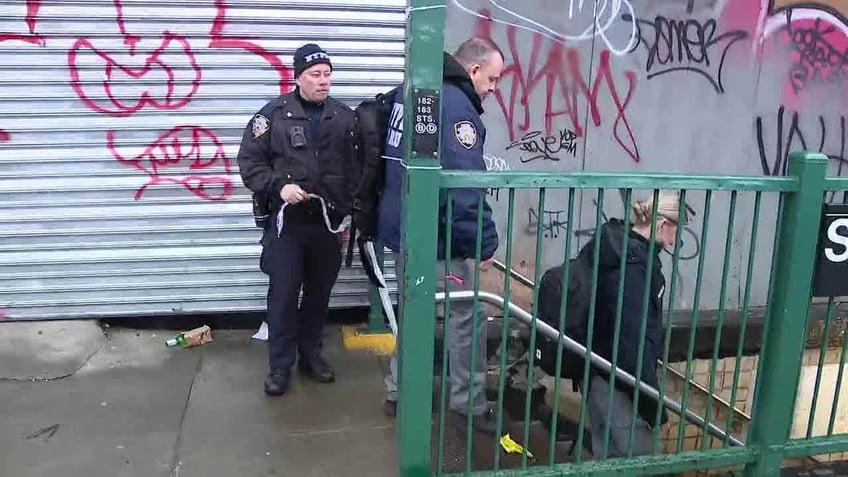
371,119
576,313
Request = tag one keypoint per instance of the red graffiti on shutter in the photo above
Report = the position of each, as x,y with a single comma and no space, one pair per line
129,39
220,40
189,149
167,80
167,62
31,19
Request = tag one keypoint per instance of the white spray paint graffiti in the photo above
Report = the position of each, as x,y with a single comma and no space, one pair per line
495,163
608,12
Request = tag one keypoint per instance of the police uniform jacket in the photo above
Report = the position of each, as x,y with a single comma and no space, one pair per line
281,145
462,138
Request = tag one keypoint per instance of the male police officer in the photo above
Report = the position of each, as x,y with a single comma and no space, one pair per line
470,75
299,146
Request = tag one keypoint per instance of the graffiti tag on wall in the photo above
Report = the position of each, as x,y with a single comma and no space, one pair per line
564,83
158,73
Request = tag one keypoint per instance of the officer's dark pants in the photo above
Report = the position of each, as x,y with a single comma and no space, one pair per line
305,254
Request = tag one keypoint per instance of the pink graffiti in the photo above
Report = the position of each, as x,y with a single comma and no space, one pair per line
129,39
818,55
562,76
837,8
160,62
809,37
190,148
219,40
31,19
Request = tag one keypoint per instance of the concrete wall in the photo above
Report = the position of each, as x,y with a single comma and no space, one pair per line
689,86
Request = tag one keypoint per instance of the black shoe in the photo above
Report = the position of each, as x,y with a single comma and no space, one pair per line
487,423
390,408
277,382
317,369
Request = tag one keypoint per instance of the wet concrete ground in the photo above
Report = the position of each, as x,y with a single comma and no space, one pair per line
137,408
121,404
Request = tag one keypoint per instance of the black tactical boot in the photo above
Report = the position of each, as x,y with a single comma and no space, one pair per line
317,369
277,382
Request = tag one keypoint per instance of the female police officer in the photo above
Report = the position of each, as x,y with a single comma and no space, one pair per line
296,156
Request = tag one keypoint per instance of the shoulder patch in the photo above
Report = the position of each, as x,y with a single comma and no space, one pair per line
261,124
466,133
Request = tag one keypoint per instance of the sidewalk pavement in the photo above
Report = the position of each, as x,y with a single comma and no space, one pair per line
137,408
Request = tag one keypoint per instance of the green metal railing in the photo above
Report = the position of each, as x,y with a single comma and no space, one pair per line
427,442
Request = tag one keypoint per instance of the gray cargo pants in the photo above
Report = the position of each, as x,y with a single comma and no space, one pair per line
460,327
619,419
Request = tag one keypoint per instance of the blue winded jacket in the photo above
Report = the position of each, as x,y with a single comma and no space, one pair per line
463,135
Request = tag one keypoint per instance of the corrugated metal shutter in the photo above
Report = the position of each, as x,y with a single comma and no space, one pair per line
119,191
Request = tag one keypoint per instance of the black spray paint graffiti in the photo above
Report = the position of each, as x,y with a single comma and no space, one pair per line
535,146
494,193
685,45
817,61
790,136
553,222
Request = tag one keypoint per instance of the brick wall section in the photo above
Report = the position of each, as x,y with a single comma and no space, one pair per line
744,400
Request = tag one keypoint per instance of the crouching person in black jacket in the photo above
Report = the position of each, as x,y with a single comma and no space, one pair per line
297,155
636,275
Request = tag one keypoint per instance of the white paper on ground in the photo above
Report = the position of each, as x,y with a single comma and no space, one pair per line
262,333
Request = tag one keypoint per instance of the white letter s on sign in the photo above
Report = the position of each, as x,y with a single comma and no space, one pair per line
835,237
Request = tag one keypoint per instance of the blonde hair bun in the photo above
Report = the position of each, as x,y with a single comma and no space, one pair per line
668,206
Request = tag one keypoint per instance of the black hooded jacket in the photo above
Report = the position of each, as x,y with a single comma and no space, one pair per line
635,280
453,73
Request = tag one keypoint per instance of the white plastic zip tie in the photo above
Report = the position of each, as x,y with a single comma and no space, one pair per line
343,226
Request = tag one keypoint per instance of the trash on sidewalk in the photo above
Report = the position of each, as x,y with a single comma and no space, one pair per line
195,337
262,333
512,447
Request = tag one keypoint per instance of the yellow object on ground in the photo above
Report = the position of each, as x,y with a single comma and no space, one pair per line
512,447
355,337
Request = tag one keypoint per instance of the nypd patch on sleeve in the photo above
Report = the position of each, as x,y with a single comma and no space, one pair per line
260,125
466,133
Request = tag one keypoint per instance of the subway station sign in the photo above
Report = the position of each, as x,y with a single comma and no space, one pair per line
831,278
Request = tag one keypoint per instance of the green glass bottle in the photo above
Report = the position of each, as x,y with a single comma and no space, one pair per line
178,340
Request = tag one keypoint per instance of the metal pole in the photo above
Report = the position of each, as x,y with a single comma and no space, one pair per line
419,226
521,278
783,344
598,361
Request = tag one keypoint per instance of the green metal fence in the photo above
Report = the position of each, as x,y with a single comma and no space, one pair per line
427,444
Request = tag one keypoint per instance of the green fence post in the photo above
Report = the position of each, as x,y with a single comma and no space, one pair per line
783,348
420,199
